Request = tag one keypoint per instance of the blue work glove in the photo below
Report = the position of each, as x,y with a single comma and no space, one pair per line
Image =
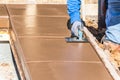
76,26
113,33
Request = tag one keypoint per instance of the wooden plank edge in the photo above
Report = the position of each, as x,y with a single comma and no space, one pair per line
103,55
19,66
23,68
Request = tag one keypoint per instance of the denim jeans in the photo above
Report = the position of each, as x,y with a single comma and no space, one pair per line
113,21
113,13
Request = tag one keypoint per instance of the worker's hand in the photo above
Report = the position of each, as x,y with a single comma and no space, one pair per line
77,25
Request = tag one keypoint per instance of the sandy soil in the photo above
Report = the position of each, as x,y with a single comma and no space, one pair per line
92,25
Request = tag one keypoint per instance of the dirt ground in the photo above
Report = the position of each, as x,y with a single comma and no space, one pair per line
99,32
92,24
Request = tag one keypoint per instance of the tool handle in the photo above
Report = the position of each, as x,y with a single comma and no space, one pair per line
80,34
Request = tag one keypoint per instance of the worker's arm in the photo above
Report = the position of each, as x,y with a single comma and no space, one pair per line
74,10
75,20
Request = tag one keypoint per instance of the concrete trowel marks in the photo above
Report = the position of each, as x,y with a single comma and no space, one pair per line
46,54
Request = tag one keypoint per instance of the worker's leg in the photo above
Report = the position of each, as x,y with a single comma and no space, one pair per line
113,21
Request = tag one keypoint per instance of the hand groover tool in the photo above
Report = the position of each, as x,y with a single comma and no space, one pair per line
80,39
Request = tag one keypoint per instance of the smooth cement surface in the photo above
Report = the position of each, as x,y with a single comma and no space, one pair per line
4,18
41,30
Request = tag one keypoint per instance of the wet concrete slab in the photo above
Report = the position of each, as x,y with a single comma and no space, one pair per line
3,11
42,45
37,10
68,71
40,26
48,49
4,18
